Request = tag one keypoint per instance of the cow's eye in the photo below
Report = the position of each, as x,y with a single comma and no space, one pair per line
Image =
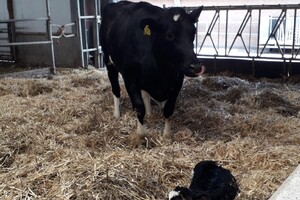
170,36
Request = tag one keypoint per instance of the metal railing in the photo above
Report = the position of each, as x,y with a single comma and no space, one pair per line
49,40
88,52
269,32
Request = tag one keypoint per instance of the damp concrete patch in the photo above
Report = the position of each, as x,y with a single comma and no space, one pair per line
290,189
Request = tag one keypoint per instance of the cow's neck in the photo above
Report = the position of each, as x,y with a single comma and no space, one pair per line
168,69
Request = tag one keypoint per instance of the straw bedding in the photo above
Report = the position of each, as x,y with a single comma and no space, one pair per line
59,139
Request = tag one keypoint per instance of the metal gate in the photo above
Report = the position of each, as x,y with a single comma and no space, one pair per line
7,54
268,33
7,45
261,32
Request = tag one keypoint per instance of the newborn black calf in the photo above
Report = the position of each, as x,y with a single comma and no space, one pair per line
209,182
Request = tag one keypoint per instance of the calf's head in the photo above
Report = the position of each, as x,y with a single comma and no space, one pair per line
173,33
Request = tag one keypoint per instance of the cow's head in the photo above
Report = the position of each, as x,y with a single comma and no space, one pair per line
172,34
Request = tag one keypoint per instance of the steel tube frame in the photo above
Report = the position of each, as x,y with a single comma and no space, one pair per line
240,32
211,27
248,19
49,27
84,49
48,32
279,22
24,43
24,20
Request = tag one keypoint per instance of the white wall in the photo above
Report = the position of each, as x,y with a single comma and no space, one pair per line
30,9
67,52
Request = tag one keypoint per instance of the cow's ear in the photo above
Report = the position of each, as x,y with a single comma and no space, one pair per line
195,14
148,26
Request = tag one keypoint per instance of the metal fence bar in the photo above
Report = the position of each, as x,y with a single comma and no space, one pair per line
49,32
294,32
84,38
226,33
279,22
246,7
96,23
61,30
24,43
80,32
256,49
210,30
49,40
240,32
23,20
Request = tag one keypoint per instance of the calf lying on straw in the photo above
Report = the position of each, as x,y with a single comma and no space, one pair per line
209,182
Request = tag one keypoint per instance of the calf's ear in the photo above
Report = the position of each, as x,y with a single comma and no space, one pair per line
195,14
148,26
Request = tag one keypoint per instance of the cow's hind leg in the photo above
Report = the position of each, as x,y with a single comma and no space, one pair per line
146,100
113,76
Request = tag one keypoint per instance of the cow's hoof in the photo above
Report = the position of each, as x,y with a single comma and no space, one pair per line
167,139
138,140
141,139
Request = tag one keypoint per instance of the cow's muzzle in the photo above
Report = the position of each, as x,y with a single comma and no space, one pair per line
195,69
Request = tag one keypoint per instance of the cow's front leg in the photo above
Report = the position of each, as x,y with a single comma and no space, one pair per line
140,109
169,108
138,104
167,130
168,112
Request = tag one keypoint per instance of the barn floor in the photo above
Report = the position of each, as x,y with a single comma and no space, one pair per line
59,139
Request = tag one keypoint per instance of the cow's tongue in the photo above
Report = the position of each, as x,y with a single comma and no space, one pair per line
198,68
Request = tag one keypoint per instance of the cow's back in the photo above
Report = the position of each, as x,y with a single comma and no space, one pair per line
110,13
121,30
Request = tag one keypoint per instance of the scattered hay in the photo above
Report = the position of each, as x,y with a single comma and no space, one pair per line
59,139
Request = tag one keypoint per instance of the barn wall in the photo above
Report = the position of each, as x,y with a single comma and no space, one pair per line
3,27
67,50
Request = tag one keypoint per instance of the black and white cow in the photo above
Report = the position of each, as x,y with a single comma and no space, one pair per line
152,48
209,182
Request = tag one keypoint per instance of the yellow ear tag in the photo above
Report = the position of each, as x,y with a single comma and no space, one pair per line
147,30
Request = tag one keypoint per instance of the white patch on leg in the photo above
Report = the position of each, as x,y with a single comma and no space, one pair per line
163,104
117,107
110,60
141,130
146,100
167,129
173,194
176,17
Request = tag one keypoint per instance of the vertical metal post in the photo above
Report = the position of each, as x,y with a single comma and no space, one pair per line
80,32
250,35
258,33
84,36
11,28
219,25
49,30
284,69
215,63
96,34
226,32
294,33
196,39
253,67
